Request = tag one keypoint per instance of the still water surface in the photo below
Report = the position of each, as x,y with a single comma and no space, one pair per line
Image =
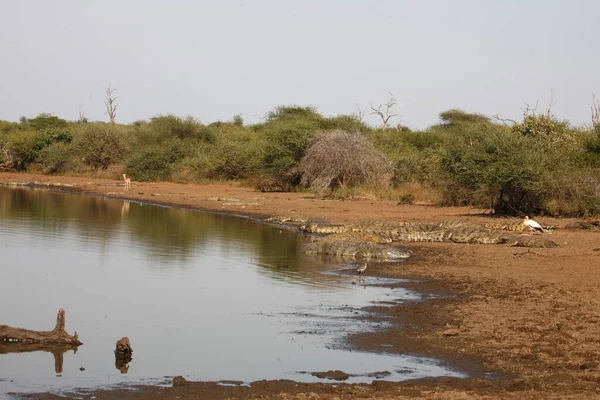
198,294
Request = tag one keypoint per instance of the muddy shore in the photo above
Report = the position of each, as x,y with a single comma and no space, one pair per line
528,318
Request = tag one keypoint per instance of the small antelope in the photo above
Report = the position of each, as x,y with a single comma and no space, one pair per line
127,182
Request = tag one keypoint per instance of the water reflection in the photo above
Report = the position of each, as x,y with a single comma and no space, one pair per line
168,233
57,350
206,296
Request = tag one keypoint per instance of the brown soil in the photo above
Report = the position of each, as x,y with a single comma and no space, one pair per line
530,317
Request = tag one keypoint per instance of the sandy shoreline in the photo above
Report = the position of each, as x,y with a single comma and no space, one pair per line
529,315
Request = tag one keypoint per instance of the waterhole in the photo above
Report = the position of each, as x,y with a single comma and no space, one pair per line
210,297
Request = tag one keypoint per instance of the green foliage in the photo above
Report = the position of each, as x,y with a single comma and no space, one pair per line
287,133
592,144
237,154
49,130
171,126
46,121
98,145
56,157
7,127
414,155
154,163
20,149
540,164
456,116
293,113
547,131
494,168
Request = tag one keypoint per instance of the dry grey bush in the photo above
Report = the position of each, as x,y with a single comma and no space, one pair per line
342,159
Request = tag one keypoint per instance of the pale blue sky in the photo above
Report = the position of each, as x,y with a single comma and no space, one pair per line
214,59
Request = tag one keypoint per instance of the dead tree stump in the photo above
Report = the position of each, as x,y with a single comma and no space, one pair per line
123,355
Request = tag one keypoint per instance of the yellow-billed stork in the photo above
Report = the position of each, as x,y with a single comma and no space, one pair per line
532,225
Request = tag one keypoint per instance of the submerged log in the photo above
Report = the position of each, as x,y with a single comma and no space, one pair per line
57,335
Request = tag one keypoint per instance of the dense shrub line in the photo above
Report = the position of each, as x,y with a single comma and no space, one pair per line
537,165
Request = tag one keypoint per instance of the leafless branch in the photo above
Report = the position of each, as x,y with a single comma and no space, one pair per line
360,112
387,113
528,110
111,105
504,120
595,112
550,104
82,118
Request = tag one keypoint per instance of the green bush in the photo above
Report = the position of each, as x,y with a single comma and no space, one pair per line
455,116
20,149
539,164
98,145
153,163
237,154
494,168
171,126
56,157
50,130
286,133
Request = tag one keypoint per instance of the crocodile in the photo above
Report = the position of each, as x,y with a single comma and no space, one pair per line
320,226
356,245
454,231
530,241
294,219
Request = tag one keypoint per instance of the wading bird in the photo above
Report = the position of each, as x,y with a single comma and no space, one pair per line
361,270
532,225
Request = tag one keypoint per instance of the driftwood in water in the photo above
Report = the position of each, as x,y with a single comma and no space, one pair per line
57,335
57,350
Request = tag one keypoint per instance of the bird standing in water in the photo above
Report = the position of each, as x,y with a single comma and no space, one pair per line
361,270
532,225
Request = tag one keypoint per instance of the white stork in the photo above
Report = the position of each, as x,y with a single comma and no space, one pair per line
532,225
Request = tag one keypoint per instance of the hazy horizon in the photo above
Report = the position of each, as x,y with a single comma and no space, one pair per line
215,59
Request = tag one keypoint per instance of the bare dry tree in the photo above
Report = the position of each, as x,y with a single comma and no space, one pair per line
528,110
111,105
595,112
550,104
504,120
82,119
360,112
387,113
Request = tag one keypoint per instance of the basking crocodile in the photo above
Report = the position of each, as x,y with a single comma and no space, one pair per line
356,245
454,231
